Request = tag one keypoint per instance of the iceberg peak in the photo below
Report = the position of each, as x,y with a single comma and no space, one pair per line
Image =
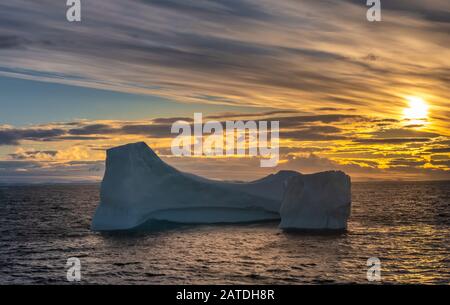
134,149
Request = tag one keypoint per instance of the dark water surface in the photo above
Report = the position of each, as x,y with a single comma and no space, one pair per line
405,225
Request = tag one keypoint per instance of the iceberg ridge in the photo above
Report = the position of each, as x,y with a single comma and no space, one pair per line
138,187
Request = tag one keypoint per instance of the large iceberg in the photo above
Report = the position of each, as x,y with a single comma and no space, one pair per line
139,187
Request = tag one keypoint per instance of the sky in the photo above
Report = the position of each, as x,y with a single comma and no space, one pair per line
369,98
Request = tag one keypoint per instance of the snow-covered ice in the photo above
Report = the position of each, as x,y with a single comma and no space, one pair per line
317,201
138,187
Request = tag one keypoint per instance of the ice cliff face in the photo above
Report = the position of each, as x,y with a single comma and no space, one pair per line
317,201
139,187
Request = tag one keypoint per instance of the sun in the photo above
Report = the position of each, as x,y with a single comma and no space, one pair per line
417,111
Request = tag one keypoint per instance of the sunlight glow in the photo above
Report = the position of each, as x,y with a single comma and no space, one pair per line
417,112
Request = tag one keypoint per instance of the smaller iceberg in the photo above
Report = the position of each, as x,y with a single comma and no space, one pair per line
319,201
138,187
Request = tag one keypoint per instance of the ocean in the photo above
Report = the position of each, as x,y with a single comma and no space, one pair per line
406,225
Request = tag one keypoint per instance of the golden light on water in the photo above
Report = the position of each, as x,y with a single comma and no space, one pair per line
417,111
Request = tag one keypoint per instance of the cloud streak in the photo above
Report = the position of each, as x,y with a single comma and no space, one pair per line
308,143
336,82
291,54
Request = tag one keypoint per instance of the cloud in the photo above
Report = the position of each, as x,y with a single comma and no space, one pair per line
10,41
314,133
298,121
84,160
439,150
335,109
37,172
13,136
441,160
92,129
403,132
240,115
328,75
78,138
17,166
33,154
226,10
289,55
306,127
436,11
391,140
407,162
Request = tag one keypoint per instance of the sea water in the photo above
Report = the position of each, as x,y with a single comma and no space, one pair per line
406,225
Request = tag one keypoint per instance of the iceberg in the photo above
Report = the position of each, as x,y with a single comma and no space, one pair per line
139,187
318,201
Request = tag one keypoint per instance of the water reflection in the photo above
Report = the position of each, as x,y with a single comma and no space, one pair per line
406,225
